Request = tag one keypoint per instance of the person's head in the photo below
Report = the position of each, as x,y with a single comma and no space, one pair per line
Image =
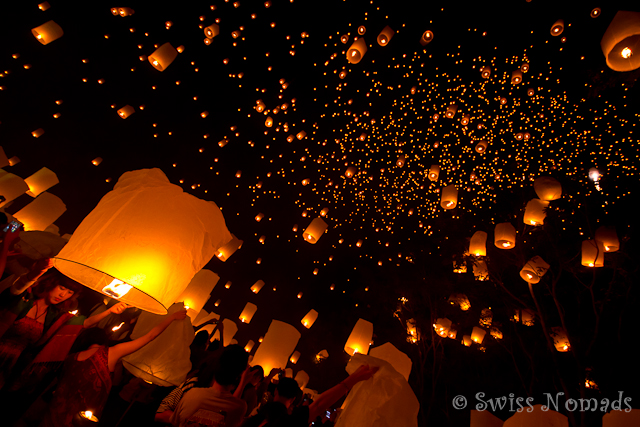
287,391
258,374
200,340
89,337
57,289
232,363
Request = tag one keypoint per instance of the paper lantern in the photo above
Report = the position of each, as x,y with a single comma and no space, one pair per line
324,211
279,342
534,269
592,253
315,230
294,357
466,340
211,31
230,330
547,188
449,197
525,316
426,38
399,360
451,111
259,217
288,373
534,213
309,319
385,36
560,339
461,301
96,161
248,312
125,11
505,236
481,147
11,186
223,253
557,28
486,317
37,133
163,56
434,172
198,291
47,32
165,360
516,77
621,42
41,181
41,213
478,244
464,120
442,326
257,286
302,378
44,6
360,338
359,243
249,346
356,51
350,172
126,111
269,122
300,135
608,238
130,259
477,335
480,270
485,72
402,158
322,354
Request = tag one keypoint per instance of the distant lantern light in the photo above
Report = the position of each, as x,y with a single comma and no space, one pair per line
485,72
595,12
535,212
300,135
235,34
477,335
315,230
259,217
519,136
344,38
228,284
442,326
360,338
359,243
527,136
547,188
248,312
260,106
356,51
126,111
466,340
413,90
315,271
363,136
516,77
503,100
37,133
481,147
299,295
211,31
44,6
480,270
324,212
305,182
594,174
560,339
426,38
534,269
619,41
449,197
608,238
223,142
434,172
238,174
342,74
257,286
524,67
592,253
460,300
464,120
451,111
294,357
96,161
269,122
350,172
505,236
47,32
557,28
310,318
224,252
385,36
125,11
478,244
531,92
163,56
249,346
361,30
401,160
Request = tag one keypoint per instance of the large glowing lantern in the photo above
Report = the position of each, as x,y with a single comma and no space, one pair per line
505,236
11,186
478,244
385,36
434,172
547,188
477,335
257,286
356,51
621,42
535,212
557,28
449,198
211,31
41,213
279,342
163,56
560,339
41,181
360,338
47,32
197,293
460,300
126,111
399,360
302,378
608,237
534,269
224,252
144,241
592,253
314,230
248,312
309,319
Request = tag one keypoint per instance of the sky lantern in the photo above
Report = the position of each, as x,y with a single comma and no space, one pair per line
47,32
41,213
547,188
478,244
505,236
481,147
315,230
309,319
385,36
44,6
557,28
249,346
360,338
279,342
41,181
449,198
300,135
592,253
426,37
248,312
560,339
477,335
480,270
516,77
402,158
350,172
257,286
37,133
225,251
302,378
434,172
294,357
620,42
485,72
451,111
356,51
534,269
11,186
460,300
466,340
124,11
163,56
131,260
198,291
524,67
525,316
259,217
442,326
535,212
96,161
608,238
269,122
399,360
126,111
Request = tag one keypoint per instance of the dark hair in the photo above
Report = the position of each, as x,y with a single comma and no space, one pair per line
54,278
89,337
232,363
259,369
3,218
288,388
200,340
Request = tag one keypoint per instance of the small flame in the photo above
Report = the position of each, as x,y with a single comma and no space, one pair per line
115,328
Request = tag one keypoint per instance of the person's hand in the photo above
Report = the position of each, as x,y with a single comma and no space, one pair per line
39,268
363,373
179,315
274,372
119,308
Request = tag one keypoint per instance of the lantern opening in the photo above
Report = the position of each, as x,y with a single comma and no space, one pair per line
117,289
626,53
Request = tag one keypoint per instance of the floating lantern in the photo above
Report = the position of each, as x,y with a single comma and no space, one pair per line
434,172
362,29
126,111
228,284
259,217
198,291
442,327
477,335
204,114
279,342
224,252
426,38
461,301
449,197
96,161
557,28
385,36
249,346
41,181
560,339
505,236
526,316
300,135
248,312
524,67
163,57
302,378
350,172
592,253
294,357
359,243
535,212
129,260
519,136
125,11
257,286
47,32
309,319
360,338
315,271
41,213
401,160
486,317
363,136
608,238
260,106
485,72
547,188
37,133
480,270
44,6
595,12
478,244
459,266
356,51
11,186
534,269
315,230
322,354
269,122
288,373
516,77
464,120
262,239
451,111
530,92
466,340
305,182
223,142
217,303
481,147
344,38
621,42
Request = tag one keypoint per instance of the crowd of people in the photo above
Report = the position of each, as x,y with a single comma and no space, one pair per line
56,363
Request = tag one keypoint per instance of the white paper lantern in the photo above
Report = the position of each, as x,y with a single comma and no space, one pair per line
42,212
163,56
302,378
309,319
279,342
224,252
41,181
621,42
360,338
534,269
47,32
11,186
356,51
478,244
248,312
198,292
315,230
505,236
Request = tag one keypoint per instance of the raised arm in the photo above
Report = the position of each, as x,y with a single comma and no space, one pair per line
9,238
25,281
95,319
118,351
